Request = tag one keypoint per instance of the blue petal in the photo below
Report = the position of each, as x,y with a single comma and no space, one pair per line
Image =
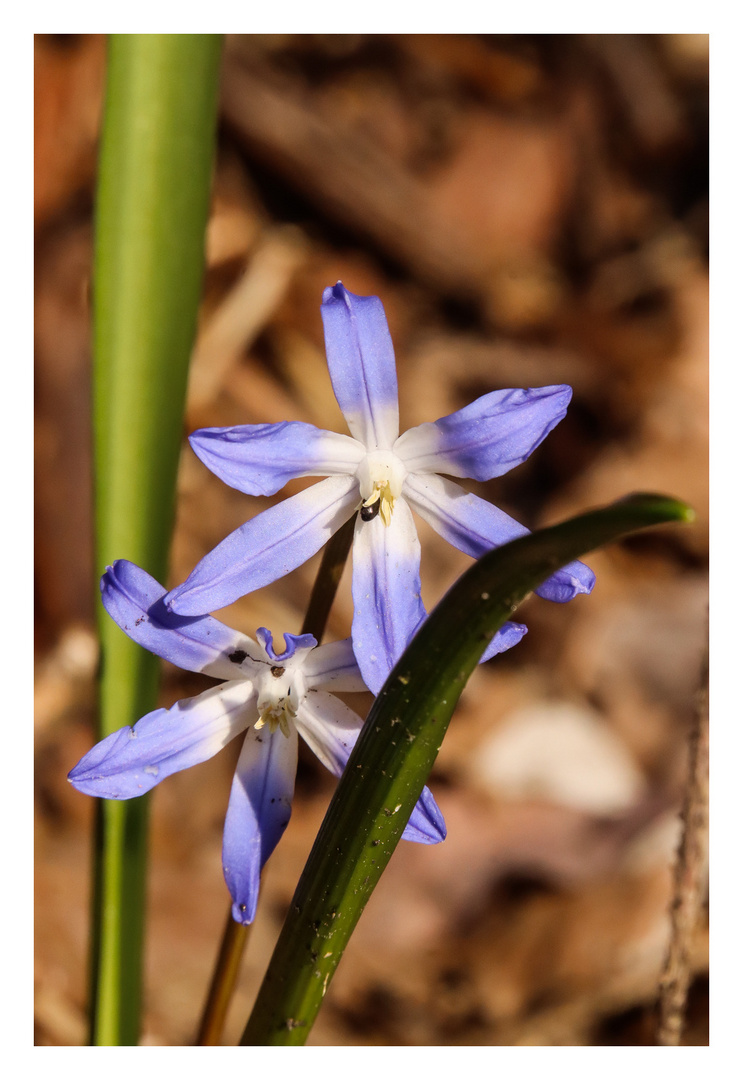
131,761
361,361
259,810
426,824
134,600
510,634
466,521
387,606
267,547
333,667
292,642
260,458
331,729
487,437
475,526
574,578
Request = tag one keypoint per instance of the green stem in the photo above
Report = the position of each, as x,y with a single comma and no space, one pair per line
235,936
156,156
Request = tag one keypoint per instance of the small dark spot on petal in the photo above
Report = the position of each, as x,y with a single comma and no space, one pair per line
277,672
237,656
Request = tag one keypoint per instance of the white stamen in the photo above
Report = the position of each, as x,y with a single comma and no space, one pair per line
280,691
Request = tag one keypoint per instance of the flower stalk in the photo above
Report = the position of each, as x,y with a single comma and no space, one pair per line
235,935
224,979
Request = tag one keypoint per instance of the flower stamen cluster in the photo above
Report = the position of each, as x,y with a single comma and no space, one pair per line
279,698
381,475
381,501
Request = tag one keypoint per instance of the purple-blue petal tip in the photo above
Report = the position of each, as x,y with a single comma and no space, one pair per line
567,583
334,292
292,642
244,913
426,824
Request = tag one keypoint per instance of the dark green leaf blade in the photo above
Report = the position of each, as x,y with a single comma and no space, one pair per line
397,747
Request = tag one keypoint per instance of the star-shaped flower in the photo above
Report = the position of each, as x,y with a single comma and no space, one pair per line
378,475
270,697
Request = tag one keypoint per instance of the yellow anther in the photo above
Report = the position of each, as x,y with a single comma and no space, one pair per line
382,494
279,714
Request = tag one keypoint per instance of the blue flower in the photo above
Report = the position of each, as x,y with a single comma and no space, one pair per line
377,475
267,697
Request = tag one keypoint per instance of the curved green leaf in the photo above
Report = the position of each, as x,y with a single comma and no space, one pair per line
397,747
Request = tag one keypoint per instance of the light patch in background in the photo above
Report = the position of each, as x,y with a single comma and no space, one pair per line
562,753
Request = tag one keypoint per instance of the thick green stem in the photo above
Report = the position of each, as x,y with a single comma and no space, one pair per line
156,157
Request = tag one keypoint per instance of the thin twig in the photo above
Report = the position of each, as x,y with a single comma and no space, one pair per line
235,935
689,876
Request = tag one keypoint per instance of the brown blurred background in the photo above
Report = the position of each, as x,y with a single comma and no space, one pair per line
531,210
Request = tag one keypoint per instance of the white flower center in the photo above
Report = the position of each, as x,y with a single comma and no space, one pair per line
280,691
381,475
